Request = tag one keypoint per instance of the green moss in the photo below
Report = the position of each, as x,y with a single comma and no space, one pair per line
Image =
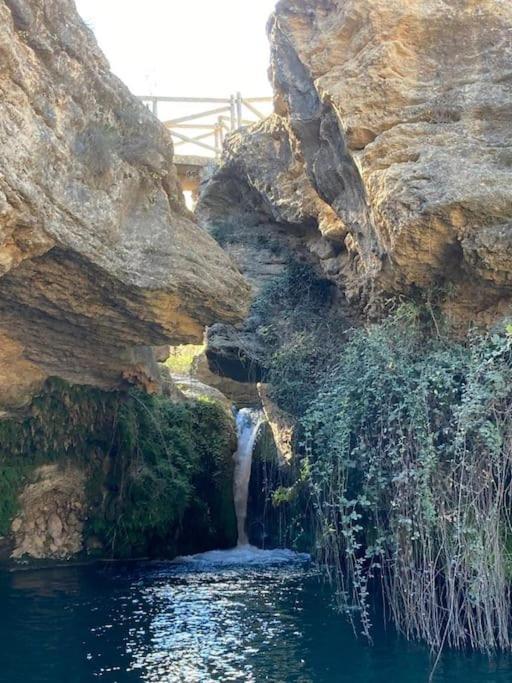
64,422
181,357
173,467
152,465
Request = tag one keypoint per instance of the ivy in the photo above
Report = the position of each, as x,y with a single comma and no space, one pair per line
409,459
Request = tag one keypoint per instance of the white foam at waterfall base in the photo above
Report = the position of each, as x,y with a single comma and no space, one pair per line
243,555
248,423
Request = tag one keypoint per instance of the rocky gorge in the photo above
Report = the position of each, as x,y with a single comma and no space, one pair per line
371,214
347,267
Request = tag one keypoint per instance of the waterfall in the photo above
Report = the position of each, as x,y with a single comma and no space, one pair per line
248,423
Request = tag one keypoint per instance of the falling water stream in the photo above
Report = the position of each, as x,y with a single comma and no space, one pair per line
248,424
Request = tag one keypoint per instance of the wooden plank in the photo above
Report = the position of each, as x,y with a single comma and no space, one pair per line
258,99
232,112
218,141
195,138
255,111
238,110
245,122
195,126
194,142
199,115
207,100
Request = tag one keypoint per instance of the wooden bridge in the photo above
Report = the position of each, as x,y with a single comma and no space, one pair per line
198,133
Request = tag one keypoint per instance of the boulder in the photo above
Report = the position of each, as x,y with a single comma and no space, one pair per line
402,112
387,158
52,514
241,393
282,424
99,257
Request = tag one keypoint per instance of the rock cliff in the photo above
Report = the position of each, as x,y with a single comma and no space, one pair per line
99,258
389,149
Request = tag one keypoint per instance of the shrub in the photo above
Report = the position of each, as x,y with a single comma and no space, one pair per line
301,334
409,460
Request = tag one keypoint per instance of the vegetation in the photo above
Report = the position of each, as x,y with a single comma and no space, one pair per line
175,464
405,460
300,333
227,232
181,357
150,463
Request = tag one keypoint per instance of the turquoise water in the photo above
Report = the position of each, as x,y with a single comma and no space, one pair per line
201,620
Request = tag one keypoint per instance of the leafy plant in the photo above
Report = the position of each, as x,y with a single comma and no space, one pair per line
409,458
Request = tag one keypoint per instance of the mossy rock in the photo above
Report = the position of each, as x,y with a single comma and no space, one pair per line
159,474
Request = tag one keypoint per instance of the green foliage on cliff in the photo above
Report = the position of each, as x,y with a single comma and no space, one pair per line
150,463
173,474
409,464
181,357
300,333
64,422
404,459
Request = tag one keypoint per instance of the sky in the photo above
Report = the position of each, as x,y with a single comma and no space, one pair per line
207,48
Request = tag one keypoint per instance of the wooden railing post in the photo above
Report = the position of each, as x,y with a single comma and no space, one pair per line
218,142
220,120
238,110
232,112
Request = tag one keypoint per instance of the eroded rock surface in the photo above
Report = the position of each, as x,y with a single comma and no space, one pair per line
403,113
281,424
99,257
391,141
263,209
240,393
53,511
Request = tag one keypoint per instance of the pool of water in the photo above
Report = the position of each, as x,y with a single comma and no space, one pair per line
206,618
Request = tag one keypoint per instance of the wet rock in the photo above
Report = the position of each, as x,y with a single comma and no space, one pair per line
241,393
281,424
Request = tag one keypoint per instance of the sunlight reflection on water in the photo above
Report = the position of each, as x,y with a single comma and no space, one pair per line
206,618
215,616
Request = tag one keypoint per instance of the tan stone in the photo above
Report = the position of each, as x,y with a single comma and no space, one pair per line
47,527
240,393
401,110
282,424
390,141
193,389
99,256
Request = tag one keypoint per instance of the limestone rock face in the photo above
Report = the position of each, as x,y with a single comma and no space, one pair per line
282,425
263,209
193,389
397,115
240,393
403,112
53,511
99,258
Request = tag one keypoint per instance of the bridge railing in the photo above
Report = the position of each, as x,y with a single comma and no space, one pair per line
206,128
